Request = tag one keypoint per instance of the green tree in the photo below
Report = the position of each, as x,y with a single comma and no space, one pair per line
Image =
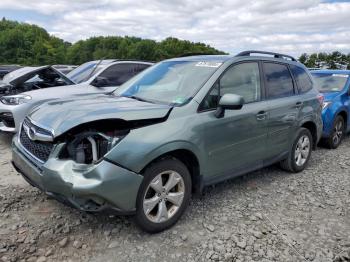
29,45
333,60
133,48
303,58
26,44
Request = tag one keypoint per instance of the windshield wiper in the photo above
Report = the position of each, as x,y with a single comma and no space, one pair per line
140,99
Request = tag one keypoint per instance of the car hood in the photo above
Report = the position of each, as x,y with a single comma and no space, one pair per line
57,92
19,76
63,115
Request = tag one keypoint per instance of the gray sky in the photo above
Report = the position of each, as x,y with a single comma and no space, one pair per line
291,27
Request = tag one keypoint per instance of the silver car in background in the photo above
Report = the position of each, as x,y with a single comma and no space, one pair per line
5,69
93,77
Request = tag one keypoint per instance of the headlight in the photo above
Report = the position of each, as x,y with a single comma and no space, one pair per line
15,100
90,147
326,104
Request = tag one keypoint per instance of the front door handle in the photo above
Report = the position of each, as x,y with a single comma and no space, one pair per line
298,105
261,115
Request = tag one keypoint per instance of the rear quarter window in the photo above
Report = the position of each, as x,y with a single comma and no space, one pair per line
302,78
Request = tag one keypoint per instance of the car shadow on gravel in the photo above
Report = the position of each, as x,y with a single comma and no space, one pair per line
5,139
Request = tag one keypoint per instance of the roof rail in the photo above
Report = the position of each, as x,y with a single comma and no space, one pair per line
276,55
138,60
194,54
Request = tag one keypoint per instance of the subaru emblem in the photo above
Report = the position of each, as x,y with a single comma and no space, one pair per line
32,133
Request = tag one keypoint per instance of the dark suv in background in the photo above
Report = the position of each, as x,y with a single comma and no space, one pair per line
175,128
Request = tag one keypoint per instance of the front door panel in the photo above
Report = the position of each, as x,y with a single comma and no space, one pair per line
235,142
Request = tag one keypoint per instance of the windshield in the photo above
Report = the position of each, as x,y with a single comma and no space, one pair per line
329,82
83,72
170,82
18,73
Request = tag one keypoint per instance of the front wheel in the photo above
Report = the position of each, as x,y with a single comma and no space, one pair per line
300,152
163,195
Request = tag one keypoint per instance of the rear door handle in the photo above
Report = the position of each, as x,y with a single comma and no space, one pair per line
261,115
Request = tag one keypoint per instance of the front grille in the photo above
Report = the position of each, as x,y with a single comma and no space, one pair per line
37,128
7,119
40,150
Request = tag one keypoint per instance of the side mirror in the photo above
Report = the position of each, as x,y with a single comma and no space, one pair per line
100,81
230,102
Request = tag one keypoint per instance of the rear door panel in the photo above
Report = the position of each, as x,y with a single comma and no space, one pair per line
284,107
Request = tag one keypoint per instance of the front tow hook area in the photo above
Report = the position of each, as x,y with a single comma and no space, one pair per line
26,178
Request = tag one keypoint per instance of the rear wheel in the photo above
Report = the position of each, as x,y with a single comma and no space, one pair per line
337,134
163,196
300,152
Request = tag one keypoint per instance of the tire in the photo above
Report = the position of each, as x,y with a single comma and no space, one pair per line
297,160
156,189
337,135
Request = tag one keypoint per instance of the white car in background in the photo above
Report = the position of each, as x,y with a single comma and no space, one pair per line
25,88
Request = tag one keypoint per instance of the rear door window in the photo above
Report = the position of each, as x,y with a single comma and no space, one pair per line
279,82
120,73
302,78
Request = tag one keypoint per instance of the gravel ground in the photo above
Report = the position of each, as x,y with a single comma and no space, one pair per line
268,215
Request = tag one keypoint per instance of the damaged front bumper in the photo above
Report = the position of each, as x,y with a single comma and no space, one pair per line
104,186
11,116
7,122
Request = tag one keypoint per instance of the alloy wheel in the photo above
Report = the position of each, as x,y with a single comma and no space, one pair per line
164,196
338,132
302,150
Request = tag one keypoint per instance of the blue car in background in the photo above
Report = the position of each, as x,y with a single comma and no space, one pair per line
334,86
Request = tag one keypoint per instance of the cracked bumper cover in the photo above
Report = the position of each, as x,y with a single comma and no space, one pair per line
94,188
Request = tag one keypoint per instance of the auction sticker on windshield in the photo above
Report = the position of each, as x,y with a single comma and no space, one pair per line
209,64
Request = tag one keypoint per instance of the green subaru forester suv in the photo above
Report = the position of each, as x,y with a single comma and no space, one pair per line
177,127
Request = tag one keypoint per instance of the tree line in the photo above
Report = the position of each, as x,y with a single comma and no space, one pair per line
334,60
26,44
